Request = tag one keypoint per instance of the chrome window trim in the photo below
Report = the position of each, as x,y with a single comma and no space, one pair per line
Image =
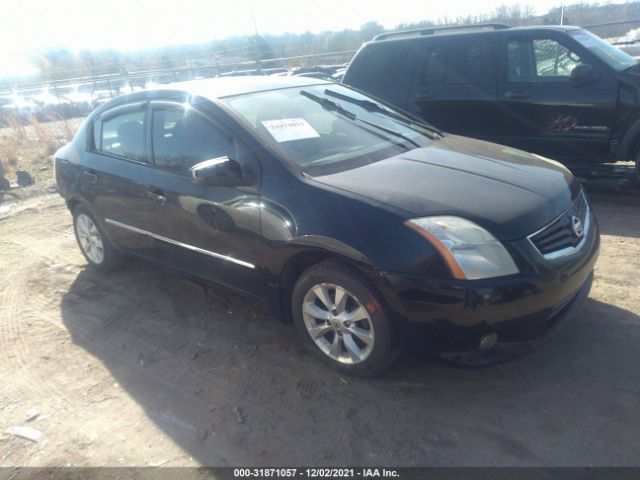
568,250
179,244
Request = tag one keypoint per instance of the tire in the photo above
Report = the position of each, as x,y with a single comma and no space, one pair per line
93,243
367,352
5,185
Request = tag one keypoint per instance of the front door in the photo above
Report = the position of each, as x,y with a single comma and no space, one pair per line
543,110
213,232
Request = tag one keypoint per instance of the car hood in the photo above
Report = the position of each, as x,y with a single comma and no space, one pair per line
509,192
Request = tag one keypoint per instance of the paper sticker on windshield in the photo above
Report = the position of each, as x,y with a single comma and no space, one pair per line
287,129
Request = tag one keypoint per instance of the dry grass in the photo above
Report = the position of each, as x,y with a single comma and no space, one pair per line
45,136
30,146
19,132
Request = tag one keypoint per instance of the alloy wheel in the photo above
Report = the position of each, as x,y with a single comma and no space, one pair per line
338,323
89,239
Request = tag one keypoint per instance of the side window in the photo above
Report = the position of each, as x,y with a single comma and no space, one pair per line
520,64
433,72
458,61
539,60
554,59
123,135
183,138
470,60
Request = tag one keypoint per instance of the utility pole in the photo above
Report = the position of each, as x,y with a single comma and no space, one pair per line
562,14
255,28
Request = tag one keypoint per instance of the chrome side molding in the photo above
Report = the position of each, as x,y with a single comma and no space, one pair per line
179,244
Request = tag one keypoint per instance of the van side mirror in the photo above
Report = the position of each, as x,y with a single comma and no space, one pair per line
583,74
217,172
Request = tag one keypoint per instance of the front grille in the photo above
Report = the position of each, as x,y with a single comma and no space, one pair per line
559,238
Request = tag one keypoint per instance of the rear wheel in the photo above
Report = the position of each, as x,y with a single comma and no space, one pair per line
93,243
340,318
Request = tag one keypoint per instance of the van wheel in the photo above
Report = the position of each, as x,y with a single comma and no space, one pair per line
340,318
93,243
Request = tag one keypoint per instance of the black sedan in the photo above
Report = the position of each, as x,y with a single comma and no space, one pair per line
368,228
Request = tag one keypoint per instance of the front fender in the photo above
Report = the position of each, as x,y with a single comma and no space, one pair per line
329,245
626,147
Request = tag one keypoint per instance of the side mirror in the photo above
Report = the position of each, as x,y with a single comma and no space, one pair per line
583,74
217,172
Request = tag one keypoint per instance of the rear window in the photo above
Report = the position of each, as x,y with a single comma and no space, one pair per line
378,69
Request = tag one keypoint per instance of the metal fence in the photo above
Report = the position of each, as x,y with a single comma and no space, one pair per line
78,95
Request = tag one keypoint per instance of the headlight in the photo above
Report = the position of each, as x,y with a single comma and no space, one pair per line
468,249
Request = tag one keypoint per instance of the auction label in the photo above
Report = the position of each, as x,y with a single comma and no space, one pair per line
315,473
287,129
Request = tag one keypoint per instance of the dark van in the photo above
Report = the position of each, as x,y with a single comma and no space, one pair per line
558,91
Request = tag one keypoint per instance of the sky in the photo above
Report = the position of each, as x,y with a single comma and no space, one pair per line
31,25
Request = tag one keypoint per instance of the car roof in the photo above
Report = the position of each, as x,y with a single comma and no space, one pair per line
211,89
430,32
220,87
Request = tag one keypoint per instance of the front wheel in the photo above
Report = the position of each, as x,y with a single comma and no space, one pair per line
93,243
341,319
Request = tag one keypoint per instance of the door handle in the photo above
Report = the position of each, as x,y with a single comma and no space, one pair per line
93,178
157,197
520,94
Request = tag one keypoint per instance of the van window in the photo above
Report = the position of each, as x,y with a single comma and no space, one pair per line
182,138
530,60
554,59
468,60
379,68
434,71
123,135
520,67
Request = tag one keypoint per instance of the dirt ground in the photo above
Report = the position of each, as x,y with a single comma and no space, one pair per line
146,366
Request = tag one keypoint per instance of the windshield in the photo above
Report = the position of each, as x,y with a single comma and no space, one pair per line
613,56
326,128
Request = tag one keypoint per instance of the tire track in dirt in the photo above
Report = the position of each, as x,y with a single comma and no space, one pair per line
24,317
19,339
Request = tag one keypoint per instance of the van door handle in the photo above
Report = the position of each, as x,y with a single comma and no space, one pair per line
520,94
157,197
90,174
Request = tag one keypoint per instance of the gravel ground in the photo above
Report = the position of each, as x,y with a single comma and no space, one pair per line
146,366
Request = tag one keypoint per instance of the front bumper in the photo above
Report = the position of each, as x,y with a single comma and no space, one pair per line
448,317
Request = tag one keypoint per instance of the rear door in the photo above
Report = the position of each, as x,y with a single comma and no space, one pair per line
454,86
543,111
210,231
115,173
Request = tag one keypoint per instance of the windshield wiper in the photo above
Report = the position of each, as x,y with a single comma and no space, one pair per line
371,106
334,107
